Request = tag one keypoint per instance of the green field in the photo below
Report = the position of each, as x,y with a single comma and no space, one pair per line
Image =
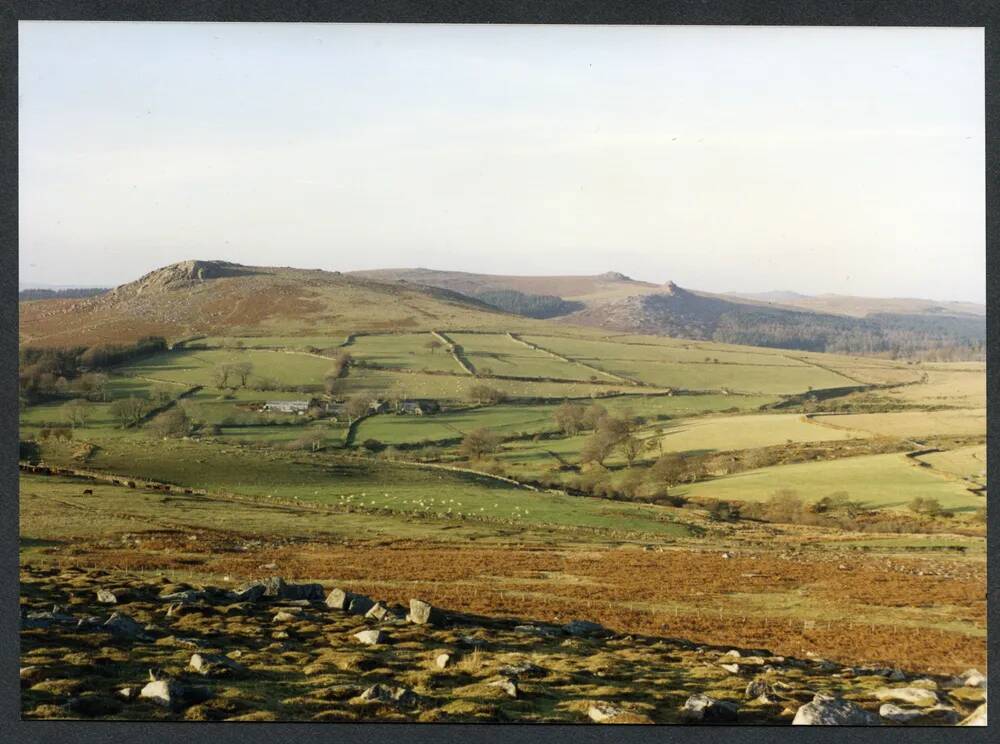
196,367
295,343
878,481
958,422
404,351
696,369
744,432
365,485
965,462
501,355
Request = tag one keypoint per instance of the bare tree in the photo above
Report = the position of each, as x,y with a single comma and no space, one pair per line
76,413
479,443
243,370
129,411
357,406
433,345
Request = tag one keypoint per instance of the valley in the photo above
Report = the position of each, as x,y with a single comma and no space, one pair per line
401,441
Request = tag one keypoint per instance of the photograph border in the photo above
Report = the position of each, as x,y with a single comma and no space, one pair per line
974,13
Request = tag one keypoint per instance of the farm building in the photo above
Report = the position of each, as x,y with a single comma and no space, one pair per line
287,406
418,407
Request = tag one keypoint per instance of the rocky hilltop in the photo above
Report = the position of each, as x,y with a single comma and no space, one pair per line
106,645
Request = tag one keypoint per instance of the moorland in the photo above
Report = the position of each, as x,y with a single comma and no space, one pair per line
212,425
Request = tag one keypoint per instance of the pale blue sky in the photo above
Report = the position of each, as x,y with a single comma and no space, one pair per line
820,160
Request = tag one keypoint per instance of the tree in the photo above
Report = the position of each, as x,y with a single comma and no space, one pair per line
569,417
923,505
593,415
173,422
357,406
93,386
479,443
331,385
670,469
242,370
486,395
597,448
433,345
220,375
129,411
630,447
76,413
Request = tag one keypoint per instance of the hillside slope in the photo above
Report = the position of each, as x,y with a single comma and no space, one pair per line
216,297
834,323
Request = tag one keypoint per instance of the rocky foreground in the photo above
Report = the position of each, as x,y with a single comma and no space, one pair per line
117,646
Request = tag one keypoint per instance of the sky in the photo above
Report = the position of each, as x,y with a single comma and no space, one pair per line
843,160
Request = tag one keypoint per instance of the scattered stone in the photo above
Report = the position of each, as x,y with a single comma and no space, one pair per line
585,628
917,696
977,718
601,712
359,604
249,592
731,668
284,617
442,661
422,613
128,693
473,642
401,697
106,596
124,626
973,678
338,599
215,665
165,692
507,685
378,611
896,675
898,715
371,637
701,708
31,674
521,669
188,595
761,690
827,710
538,630
255,590
968,695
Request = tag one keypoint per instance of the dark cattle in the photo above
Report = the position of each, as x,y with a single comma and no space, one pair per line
88,492
188,490
131,484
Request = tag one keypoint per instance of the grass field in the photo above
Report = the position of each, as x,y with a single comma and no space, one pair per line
947,387
295,343
501,355
696,369
744,432
965,462
959,422
196,367
885,481
365,485
457,387
404,351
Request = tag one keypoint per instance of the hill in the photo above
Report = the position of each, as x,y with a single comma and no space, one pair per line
831,323
220,298
864,306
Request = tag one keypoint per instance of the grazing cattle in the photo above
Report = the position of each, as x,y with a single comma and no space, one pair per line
88,492
131,484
